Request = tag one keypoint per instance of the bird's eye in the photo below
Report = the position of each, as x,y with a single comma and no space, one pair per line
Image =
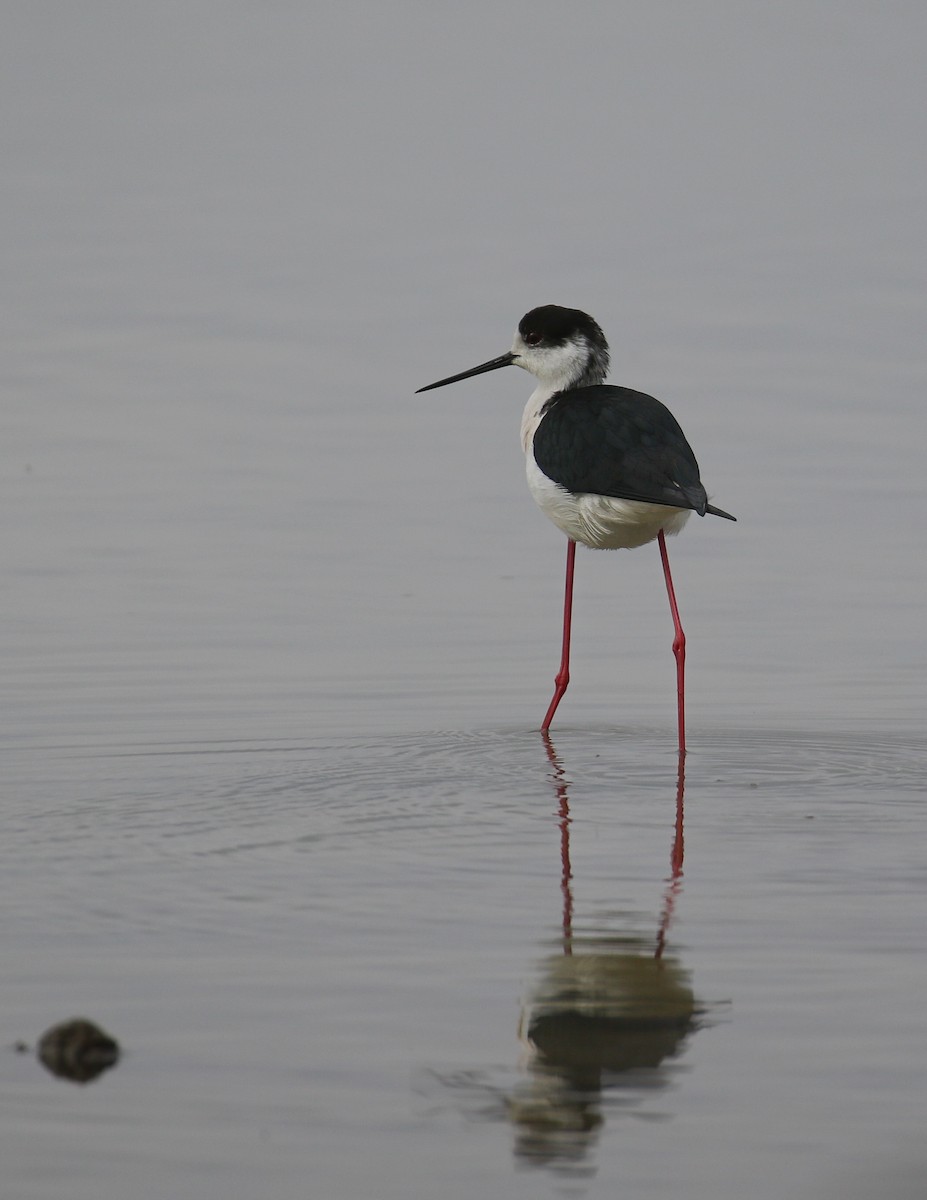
532,339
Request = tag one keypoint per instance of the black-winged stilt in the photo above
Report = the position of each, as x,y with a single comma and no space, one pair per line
610,466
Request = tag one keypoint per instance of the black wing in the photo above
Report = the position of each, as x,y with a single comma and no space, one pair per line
613,441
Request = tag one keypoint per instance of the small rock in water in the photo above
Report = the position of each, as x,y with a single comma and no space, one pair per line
77,1050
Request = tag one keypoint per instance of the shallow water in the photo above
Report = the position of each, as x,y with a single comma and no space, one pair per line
320,957
278,633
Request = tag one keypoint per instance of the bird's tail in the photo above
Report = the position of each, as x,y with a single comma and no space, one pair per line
719,512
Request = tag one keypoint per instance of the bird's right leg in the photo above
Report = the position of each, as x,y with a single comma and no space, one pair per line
679,648
562,677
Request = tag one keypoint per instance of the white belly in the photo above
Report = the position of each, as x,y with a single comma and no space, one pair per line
602,522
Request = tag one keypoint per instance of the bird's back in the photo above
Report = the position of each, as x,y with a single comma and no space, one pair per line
614,441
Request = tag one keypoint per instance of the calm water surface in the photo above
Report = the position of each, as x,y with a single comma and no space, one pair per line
278,633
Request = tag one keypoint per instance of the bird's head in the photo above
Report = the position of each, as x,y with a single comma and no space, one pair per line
561,347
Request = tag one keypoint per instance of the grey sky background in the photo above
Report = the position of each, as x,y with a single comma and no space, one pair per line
239,236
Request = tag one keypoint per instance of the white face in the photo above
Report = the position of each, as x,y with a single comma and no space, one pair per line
555,365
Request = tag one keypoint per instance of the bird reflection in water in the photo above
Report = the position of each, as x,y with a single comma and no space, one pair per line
609,1012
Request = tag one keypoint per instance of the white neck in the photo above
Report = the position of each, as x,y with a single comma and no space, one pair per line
557,369
531,417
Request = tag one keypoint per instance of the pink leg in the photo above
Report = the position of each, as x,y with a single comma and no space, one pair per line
679,646
563,675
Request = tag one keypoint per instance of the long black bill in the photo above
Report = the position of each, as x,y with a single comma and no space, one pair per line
504,360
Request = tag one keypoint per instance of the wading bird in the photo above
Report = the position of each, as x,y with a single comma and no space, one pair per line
610,466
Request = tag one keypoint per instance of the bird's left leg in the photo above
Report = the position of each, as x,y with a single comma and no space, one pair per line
679,645
562,678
